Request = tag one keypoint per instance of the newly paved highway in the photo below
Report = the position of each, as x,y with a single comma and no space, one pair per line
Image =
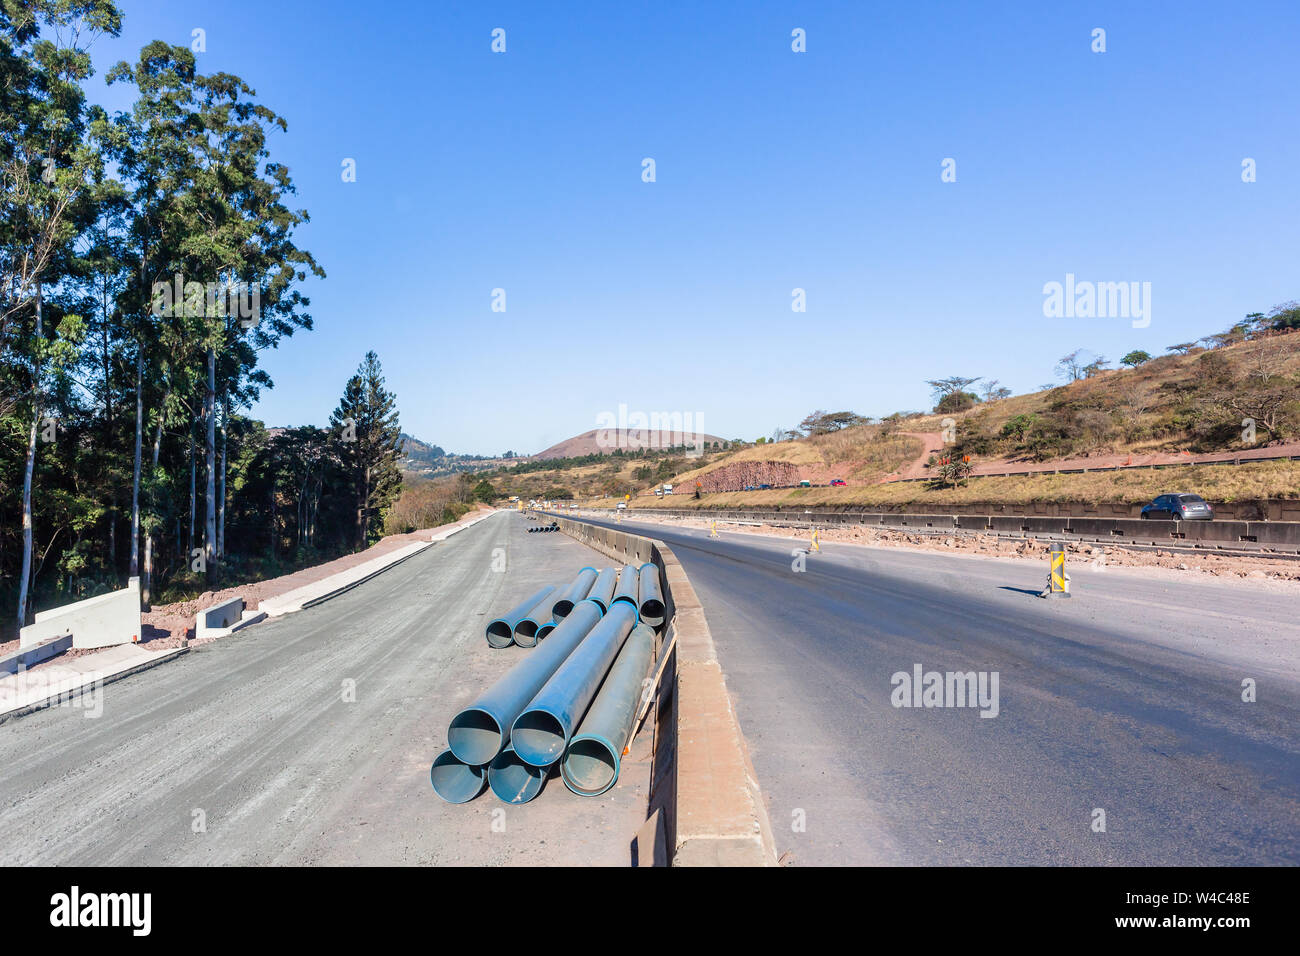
308,739
1125,699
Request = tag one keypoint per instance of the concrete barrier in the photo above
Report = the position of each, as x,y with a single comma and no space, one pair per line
1254,535
1044,525
1100,528
102,621
225,618
929,521
1275,533
1007,524
1141,531
20,659
1216,532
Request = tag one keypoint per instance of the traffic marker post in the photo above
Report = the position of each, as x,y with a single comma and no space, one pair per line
1058,581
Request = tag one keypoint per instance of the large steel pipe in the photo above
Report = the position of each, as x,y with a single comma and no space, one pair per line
512,780
574,593
540,733
501,632
652,599
628,583
454,780
526,630
602,590
481,730
591,762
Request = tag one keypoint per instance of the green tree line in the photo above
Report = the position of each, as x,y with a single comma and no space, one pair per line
147,260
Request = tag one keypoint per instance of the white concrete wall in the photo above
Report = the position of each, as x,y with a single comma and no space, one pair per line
102,621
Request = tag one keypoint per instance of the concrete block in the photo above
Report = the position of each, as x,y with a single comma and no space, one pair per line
1277,533
102,621
1092,527
1035,524
930,521
21,659
1219,532
1006,524
219,617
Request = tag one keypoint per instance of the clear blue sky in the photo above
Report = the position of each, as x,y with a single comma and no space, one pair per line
775,170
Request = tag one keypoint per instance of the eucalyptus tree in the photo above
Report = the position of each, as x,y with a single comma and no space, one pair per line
47,159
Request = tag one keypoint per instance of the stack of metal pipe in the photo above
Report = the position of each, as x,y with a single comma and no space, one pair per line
568,706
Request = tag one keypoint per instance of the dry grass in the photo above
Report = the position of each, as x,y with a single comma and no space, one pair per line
1255,480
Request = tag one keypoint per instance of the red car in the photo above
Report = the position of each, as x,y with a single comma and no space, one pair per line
837,482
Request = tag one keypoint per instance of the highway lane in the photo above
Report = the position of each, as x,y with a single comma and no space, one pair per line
308,739
1126,699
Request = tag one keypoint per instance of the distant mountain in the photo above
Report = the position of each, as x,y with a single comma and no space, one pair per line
432,461
604,441
418,452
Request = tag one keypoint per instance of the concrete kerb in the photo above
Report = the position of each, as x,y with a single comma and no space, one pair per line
715,815
161,657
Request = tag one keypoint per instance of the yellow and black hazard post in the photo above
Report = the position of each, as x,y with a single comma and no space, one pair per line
713,529
1058,581
816,546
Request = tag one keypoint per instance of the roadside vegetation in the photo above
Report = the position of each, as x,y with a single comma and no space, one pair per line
147,261
1228,483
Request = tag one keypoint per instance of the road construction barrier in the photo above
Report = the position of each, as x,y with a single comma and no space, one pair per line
102,621
1229,534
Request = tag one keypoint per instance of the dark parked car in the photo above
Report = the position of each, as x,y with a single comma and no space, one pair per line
1179,507
837,482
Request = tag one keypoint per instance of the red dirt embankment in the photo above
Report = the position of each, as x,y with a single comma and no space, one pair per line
749,474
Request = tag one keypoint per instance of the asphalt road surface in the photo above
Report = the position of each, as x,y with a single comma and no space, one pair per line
308,739
1125,700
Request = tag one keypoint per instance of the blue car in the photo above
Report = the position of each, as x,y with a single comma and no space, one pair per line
1179,507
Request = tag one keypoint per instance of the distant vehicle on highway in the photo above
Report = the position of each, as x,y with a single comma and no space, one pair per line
750,488
805,483
621,506
762,487
668,489
837,482
1179,507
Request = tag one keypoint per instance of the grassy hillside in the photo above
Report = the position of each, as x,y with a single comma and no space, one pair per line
1246,482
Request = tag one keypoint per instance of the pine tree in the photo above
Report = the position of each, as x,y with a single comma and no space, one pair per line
368,439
